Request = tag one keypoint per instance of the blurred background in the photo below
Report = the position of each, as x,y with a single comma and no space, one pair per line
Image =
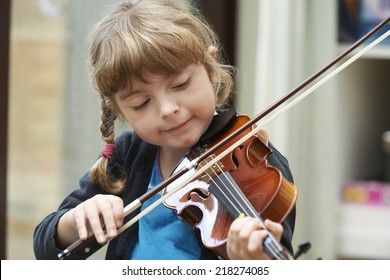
337,140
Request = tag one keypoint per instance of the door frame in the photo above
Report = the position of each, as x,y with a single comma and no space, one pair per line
5,14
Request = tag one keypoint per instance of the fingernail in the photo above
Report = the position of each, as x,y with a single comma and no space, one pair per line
101,238
83,234
112,233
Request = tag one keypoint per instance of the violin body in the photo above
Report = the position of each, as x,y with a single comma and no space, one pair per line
263,185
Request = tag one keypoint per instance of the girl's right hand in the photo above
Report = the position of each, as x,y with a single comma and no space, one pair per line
99,214
97,211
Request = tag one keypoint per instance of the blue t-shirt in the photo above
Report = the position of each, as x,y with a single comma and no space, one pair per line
162,236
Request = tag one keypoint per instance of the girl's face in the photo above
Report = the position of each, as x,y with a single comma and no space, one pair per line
172,111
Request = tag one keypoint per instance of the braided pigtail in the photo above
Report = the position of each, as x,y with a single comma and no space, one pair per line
111,181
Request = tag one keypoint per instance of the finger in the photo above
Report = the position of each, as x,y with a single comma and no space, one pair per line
233,244
238,224
117,208
80,220
236,228
255,248
111,210
93,217
247,228
238,236
276,229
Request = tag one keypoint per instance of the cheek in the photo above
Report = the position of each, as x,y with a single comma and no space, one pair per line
209,102
204,96
145,129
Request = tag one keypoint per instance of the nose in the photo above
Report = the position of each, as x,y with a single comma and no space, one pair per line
168,106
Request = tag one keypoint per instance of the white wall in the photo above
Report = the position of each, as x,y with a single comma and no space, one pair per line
282,43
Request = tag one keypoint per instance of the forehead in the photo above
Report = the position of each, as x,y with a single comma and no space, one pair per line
149,77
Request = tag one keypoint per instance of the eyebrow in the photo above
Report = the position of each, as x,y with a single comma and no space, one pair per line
126,94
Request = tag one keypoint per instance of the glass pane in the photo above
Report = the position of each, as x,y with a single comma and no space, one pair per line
38,50
54,112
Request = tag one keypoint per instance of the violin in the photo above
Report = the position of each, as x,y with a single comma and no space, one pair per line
241,183
244,150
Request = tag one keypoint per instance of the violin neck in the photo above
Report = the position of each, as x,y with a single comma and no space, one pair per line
229,194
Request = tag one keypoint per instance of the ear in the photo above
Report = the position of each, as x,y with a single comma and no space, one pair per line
212,51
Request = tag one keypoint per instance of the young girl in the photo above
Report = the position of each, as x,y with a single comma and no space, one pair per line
155,64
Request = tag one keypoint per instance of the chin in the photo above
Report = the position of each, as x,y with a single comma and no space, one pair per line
188,144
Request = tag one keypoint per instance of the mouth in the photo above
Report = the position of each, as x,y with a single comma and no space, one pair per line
177,127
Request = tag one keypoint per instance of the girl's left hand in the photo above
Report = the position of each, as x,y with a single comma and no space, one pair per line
246,236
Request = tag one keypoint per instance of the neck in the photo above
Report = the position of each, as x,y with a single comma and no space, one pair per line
169,160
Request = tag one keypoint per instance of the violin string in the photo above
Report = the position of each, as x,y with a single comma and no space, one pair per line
270,244
242,202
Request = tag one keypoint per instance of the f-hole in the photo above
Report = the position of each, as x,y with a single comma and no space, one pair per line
234,159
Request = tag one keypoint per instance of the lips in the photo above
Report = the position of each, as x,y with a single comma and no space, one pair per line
177,127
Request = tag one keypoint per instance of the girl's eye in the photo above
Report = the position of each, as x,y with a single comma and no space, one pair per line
184,84
140,106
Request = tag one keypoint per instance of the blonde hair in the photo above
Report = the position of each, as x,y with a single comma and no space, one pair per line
148,36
